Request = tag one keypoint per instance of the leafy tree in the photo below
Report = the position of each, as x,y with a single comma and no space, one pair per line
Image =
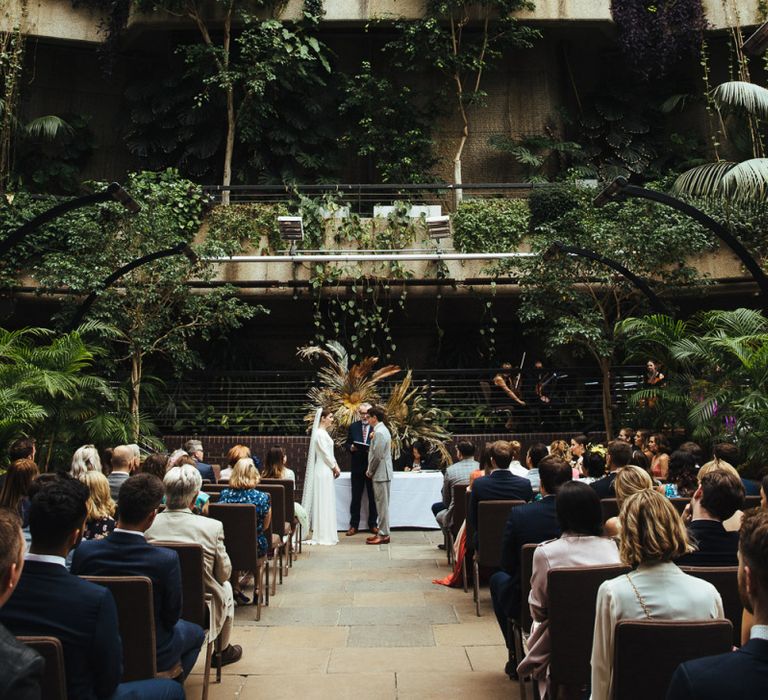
462,41
718,374
240,56
575,302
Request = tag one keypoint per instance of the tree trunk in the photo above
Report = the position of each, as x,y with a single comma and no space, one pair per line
226,179
605,371
136,369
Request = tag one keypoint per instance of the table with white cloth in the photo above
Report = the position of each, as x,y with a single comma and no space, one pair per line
410,500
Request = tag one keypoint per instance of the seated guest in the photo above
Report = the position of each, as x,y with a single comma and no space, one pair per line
652,537
716,499
577,448
100,520
529,524
560,449
743,673
235,454
122,463
242,489
500,484
629,480
640,459
155,464
581,544
126,552
276,467
200,507
194,448
421,458
21,668
626,435
728,452
658,445
23,448
536,453
15,490
49,601
695,449
456,475
85,459
177,523
681,478
515,467
732,524
618,455
593,464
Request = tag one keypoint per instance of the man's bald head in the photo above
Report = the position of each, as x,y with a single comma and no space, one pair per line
122,458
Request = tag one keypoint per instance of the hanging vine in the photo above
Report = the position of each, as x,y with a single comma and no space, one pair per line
11,66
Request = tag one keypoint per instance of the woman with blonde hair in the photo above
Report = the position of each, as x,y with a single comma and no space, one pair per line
100,507
236,452
515,467
85,459
652,537
242,489
559,448
630,479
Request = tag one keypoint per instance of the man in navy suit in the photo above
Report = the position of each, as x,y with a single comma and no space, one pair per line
194,448
619,455
719,495
500,485
741,674
529,524
49,601
126,552
360,432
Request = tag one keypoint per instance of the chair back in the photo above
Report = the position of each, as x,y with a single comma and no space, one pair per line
647,652
572,597
469,530
214,496
459,512
277,501
214,488
680,504
526,570
192,563
240,533
491,519
751,502
289,487
136,620
54,681
610,508
725,579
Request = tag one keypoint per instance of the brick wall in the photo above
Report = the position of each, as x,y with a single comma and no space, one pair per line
217,446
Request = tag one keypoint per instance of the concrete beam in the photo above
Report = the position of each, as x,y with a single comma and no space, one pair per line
55,19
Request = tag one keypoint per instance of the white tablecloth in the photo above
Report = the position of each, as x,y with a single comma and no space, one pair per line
410,500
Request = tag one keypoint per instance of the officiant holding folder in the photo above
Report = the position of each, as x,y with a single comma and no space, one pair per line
358,441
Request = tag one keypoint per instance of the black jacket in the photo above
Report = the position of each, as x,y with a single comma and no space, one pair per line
716,546
21,669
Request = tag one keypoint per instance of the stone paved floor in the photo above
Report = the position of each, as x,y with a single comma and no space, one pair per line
361,622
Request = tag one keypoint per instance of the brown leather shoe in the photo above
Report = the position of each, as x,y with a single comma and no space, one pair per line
371,538
230,655
378,540
351,531
374,531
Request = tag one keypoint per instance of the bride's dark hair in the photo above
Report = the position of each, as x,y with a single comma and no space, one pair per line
326,412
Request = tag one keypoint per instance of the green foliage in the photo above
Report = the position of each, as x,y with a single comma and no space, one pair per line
247,225
490,225
717,369
539,155
548,204
389,125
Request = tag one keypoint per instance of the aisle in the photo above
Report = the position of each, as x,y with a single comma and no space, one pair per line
362,622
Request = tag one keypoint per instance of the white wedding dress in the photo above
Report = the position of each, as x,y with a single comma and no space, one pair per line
323,513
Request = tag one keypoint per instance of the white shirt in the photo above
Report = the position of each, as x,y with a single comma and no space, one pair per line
518,469
47,559
129,532
759,632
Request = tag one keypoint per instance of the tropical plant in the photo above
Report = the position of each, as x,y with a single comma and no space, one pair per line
717,371
540,155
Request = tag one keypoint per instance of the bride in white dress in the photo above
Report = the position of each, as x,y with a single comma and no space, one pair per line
319,498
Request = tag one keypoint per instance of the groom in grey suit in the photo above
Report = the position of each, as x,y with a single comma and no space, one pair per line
380,471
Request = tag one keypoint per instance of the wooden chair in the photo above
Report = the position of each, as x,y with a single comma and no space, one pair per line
751,502
292,524
725,579
136,620
241,536
572,599
491,518
214,496
469,536
196,602
214,488
280,540
520,627
647,652
54,681
610,507
680,504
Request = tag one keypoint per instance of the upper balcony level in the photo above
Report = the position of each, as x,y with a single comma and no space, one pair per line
57,19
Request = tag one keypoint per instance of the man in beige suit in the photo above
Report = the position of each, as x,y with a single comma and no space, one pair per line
179,524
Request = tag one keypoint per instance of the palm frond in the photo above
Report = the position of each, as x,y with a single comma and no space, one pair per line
703,180
740,94
747,181
48,128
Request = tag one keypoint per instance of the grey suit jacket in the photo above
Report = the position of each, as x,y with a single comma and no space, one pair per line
380,454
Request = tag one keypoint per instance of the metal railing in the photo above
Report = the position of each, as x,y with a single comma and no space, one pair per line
275,403
362,198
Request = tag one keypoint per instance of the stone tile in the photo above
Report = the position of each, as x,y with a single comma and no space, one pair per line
432,686
428,614
391,636
491,659
307,637
229,688
265,660
463,635
403,659
272,616
291,599
388,598
379,585
339,686
415,552
308,584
